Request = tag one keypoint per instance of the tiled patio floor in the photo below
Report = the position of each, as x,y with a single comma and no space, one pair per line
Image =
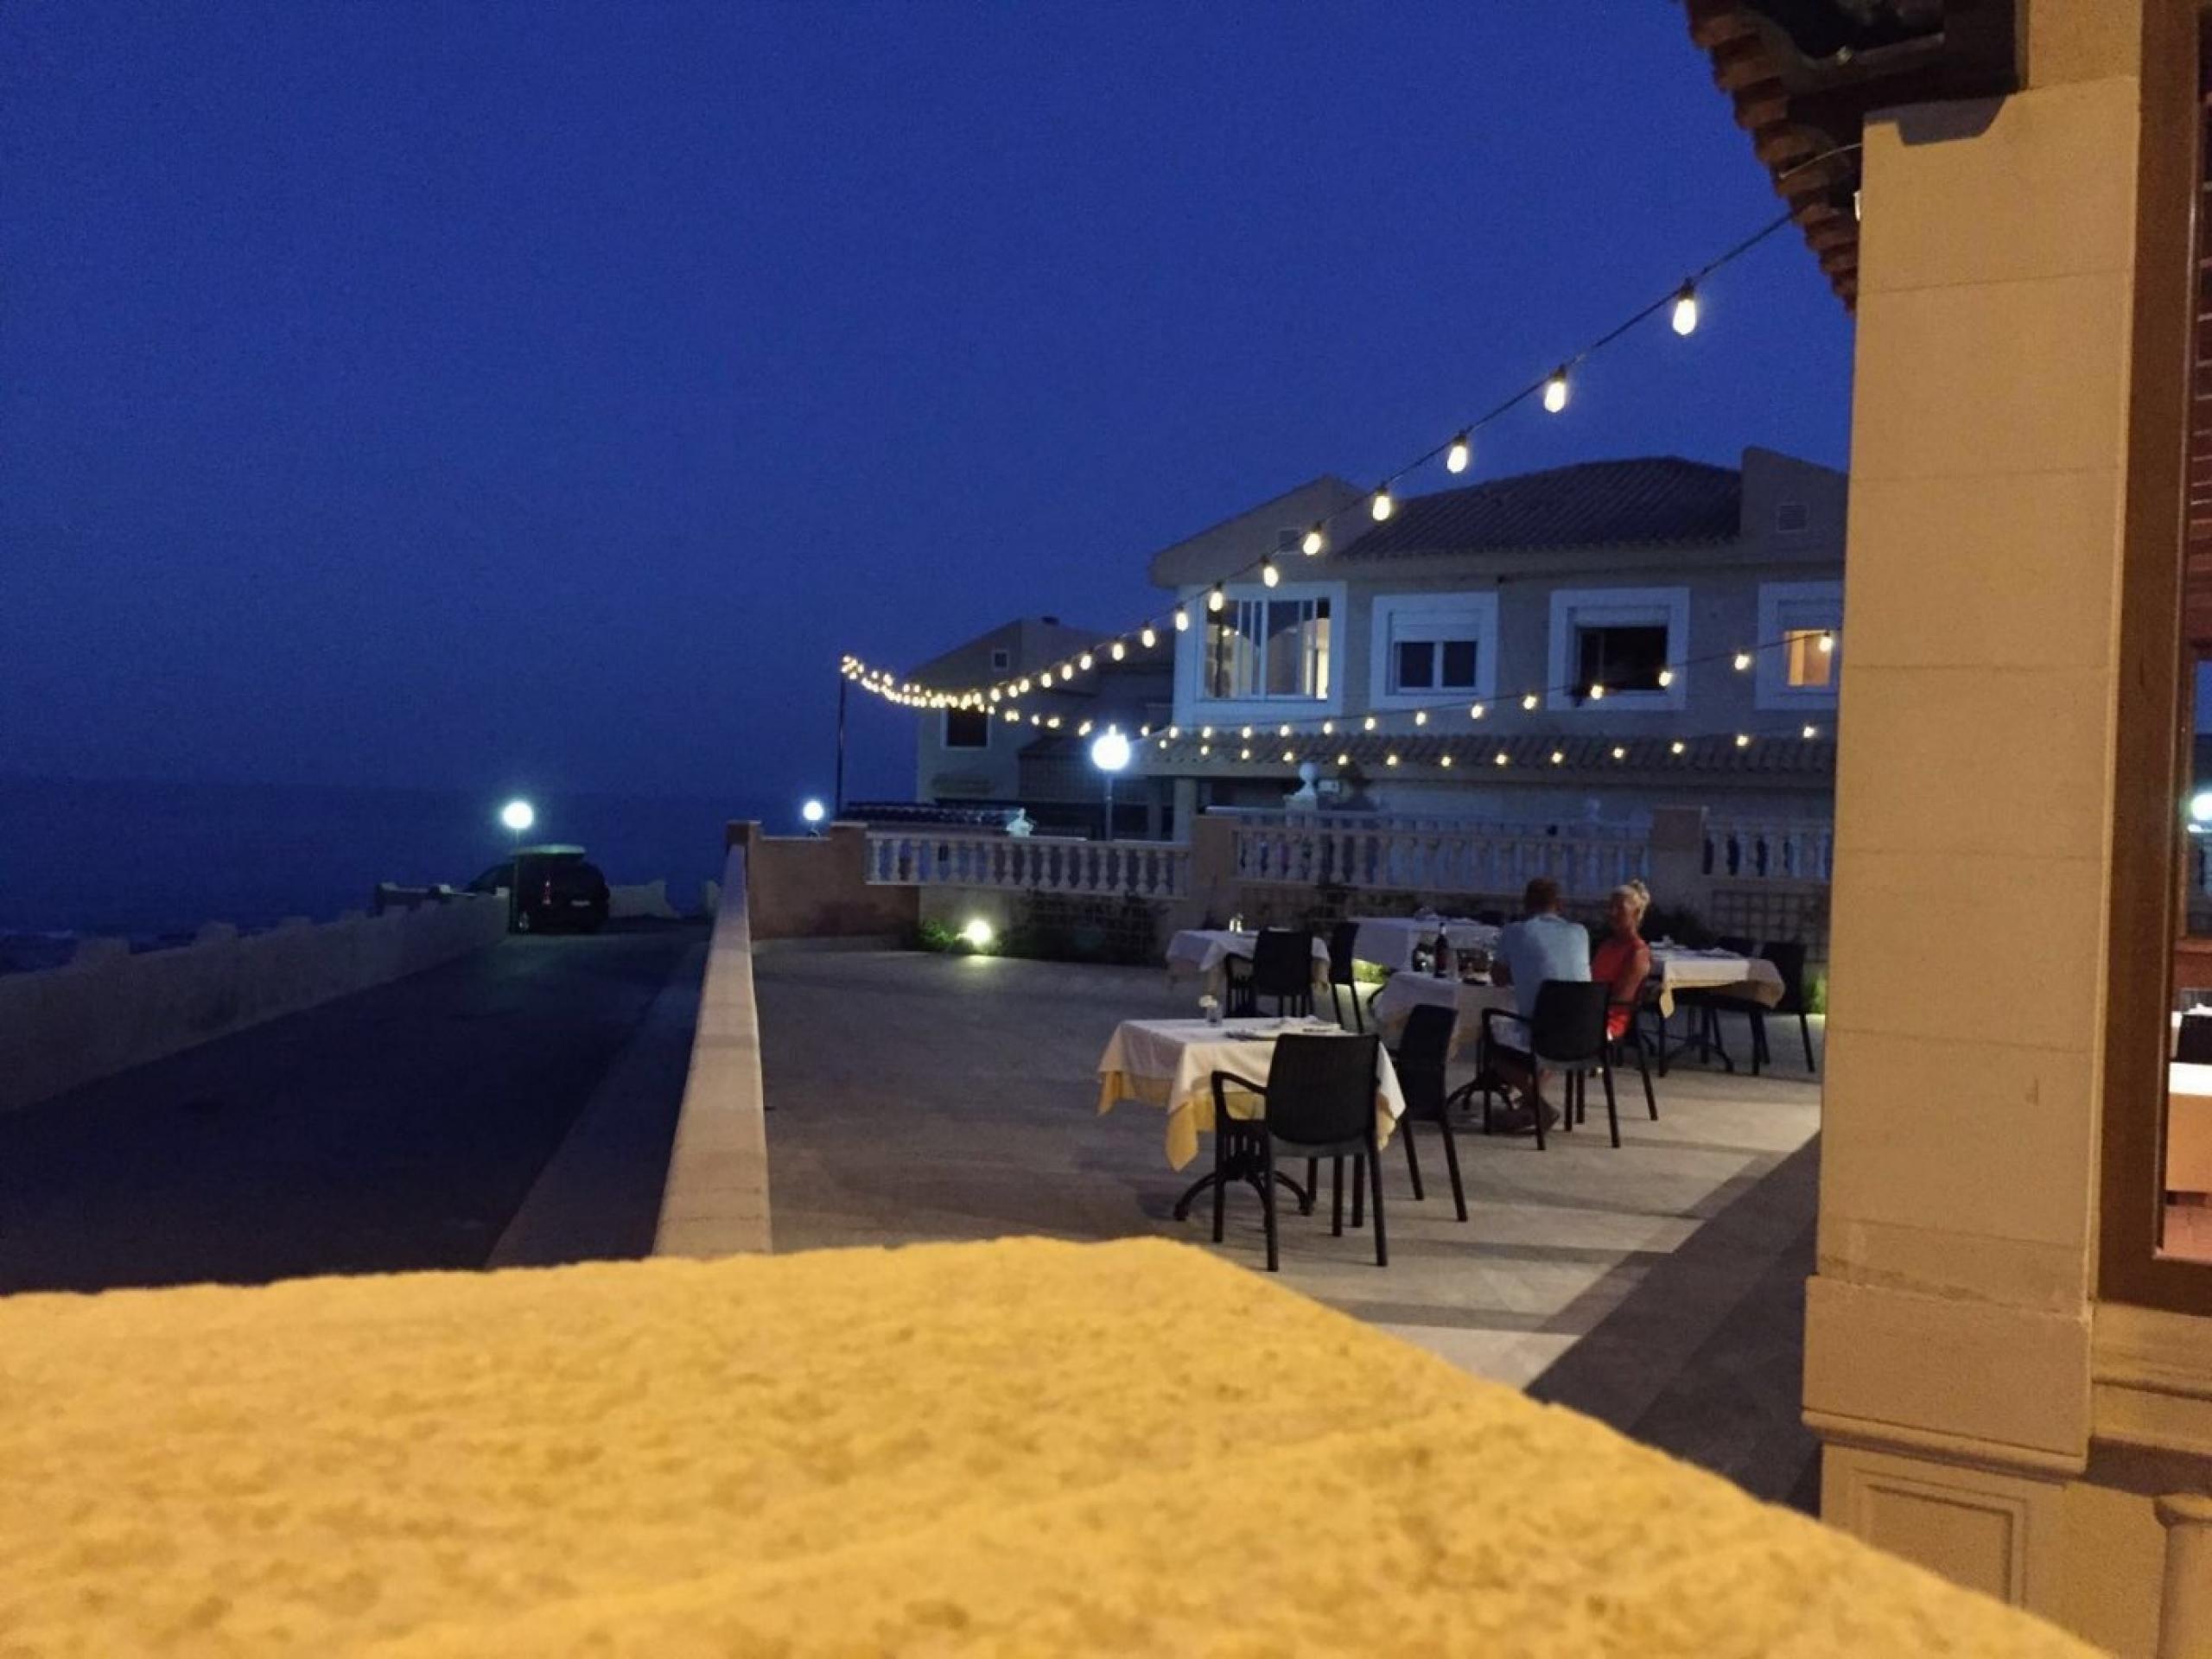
1658,1286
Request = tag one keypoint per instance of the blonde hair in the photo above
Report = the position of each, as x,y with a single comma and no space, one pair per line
1637,895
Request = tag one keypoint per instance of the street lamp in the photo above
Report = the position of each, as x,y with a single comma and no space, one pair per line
1110,753
518,816
813,812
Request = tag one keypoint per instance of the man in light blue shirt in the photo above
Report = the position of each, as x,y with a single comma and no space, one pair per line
1545,946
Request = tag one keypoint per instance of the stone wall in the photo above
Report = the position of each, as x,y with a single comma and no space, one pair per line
107,1009
816,887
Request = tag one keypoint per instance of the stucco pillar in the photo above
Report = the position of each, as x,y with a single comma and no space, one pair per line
2185,1617
1949,1327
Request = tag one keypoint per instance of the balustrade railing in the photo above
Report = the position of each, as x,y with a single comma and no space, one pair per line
1782,851
1435,855
1143,869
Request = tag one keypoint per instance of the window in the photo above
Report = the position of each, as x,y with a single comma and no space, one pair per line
1800,643
1633,642
1620,657
967,728
1002,659
1433,648
1268,648
1792,517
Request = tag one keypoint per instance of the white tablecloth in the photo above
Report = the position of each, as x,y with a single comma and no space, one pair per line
1396,1002
1171,1063
1753,978
1205,951
1388,941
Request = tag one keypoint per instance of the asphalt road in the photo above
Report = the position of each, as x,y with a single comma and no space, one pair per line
400,1129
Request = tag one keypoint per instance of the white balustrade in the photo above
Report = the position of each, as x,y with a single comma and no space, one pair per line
1143,869
1362,850
1790,850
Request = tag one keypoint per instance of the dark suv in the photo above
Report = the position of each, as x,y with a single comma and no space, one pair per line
547,887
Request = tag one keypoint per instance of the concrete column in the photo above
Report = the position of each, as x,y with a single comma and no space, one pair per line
2185,1614
2001,336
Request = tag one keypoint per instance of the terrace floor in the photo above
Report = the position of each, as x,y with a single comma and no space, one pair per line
1659,1288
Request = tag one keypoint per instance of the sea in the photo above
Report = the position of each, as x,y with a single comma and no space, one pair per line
149,862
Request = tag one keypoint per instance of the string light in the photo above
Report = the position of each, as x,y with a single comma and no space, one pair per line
1244,754
1083,662
1268,574
1665,677
1148,639
1390,760
1742,739
1597,692
1174,732
1828,640
1290,754
1084,730
1217,599
1381,507
1045,678
1328,728
1368,725
1555,390
1500,758
1685,315
1205,750
1529,701
1182,618
1461,452
1206,732
1246,733
1443,760
1475,713
1812,732
1316,539
1343,760
1743,661
1558,755
1619,754
1420,716
1677,747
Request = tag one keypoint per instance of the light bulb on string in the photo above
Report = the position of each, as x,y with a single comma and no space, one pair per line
1244,754
1685,318
1119,651
1290,754
1247,732
1381,505
1743,661
1444,759
1827,639
1045,678
1368,724
1149,639
1217,597
1461,452
1268,574
1315,540
1597,692
1476,712
1206,732
1555,390
1343,760
1328,728
1619,754
1390,760
1182,618
1676,746
1175,731
1499,758
1812,731
1559,757
1420,716
1083,662
1529,700
1742,739
1665,677
1283,731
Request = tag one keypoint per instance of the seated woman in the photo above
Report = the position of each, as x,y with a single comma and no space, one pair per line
1622,960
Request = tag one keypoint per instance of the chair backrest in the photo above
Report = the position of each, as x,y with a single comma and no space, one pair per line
2194,1045
1342,937
1282,962
1567,1027
1789,960
1424,1051
1321,1090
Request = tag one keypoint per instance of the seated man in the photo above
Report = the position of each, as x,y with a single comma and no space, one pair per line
1544,945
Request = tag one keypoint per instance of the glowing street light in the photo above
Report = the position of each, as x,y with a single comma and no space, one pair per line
813,811
518,816
2200,807
1110,753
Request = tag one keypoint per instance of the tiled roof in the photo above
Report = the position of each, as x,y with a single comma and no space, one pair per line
1652,499
1528,758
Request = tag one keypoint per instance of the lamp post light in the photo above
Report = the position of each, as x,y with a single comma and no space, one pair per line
813,812
1110,753
518,816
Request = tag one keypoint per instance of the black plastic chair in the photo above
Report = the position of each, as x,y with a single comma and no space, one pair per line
1566,1034
1281,967
1789,960
1423,1052
1633,1041
1319,1102
1342,937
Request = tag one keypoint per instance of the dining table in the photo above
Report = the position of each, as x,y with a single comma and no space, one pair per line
1170,1064
1403,993
1205,951
1391,941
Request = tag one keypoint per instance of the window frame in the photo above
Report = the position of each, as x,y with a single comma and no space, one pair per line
1193,703
945,731
1469,616
1575,608
1787,605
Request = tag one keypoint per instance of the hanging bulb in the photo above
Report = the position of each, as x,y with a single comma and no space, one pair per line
1149,639
1244,754
1268,574
1420,716
1685,309
1742,739
1827,639
1282,731
1328,728
1475,713
1343,760
1206,731
1666,676
1812,731
1528,701
1597,692
1368,724
1619,754
1119,651
1175,731
1555,390
1559,756
1443,760
1247,732
1182,618
1390,760
1743,661
1500,758
1457,457
1217,599
1045,678
1084,730
1205,750
1381,507
1676,746
1290,755
1315,540
1083,662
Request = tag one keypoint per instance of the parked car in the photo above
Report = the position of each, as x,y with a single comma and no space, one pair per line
548,887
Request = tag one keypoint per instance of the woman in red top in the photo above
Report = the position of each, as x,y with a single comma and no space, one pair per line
1622,960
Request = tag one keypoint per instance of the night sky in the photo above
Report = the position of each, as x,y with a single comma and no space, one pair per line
431,394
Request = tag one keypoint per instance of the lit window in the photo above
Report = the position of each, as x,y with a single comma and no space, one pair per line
1806,665
1268,648
1619,657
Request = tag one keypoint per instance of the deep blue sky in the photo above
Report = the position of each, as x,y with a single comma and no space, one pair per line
469,394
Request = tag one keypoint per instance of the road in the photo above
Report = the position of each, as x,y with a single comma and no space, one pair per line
400,1129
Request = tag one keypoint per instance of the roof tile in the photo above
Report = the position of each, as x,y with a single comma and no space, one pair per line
1656,499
